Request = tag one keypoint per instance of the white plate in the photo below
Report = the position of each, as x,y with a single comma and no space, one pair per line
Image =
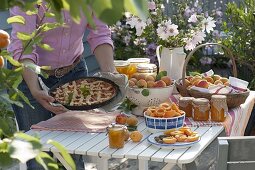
177,145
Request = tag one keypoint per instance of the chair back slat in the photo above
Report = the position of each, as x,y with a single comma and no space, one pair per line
235,153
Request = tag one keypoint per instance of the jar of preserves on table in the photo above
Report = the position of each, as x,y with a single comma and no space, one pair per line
147,69
219,108
121,66
133,62
201,109
116,135
185,104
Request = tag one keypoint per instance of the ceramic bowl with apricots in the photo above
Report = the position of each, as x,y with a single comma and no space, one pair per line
164,117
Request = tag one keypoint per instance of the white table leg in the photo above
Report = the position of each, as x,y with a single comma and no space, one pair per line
143,164
102,163
169,166
62,160
22,166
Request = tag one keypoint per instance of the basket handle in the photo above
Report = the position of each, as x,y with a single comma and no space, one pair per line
202,45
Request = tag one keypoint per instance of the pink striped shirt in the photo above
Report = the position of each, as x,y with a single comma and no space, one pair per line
66,41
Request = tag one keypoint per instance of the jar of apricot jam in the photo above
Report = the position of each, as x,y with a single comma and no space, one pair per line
185,104
121,66
116,135
147,69
201,109
219,108
133,62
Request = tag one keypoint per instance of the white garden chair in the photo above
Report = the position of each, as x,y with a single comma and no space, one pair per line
236,153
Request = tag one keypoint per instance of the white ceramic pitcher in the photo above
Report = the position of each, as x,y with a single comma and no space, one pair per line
171,60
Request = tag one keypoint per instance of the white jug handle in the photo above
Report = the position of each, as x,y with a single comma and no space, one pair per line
158,54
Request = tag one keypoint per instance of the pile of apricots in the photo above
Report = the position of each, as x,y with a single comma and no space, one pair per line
139,80
205,82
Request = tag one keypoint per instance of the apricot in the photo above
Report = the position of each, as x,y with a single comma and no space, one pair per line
150,84
194,79
141,77
141,83
218,82
136,136
223,80
134,80
121,119
209,79
203,84
132,120
150,78
135,75
187,83
189,78
160,83
216,77
167,80
1,62
4,39
131,83
226,83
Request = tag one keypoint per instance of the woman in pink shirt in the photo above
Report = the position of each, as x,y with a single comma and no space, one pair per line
66,61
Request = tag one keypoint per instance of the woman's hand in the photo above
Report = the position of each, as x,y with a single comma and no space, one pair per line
45,100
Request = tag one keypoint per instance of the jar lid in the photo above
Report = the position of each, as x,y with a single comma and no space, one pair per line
200,101
115,126
144,66
139,60
217,96
186,98
121,63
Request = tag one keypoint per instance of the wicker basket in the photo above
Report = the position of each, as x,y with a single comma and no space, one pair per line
233,99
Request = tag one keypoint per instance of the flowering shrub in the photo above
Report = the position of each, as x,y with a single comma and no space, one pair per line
187,26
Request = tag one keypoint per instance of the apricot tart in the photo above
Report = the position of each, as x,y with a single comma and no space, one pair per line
84,92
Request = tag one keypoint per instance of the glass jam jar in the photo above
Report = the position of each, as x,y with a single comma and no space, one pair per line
185,104
133,62
121,66
201,109
147,69
219,108
116,135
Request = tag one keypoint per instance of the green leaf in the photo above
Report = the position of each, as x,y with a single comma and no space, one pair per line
28,49
50,14
32,12
5,160
5,127
26,137
46,47
16,19
23,97
24,36
109,11
46,161
74,10
131,128
17,148
137,7
88,13
145,92
161,74
64,153
49,26
5,97
12,61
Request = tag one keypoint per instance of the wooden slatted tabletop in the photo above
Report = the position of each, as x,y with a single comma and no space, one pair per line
96,144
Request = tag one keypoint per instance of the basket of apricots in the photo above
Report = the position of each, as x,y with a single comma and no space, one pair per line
184,85
164,117
148,90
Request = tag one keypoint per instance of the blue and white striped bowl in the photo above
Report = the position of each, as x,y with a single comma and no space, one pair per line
155,124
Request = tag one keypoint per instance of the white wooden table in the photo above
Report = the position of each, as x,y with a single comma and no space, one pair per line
96,145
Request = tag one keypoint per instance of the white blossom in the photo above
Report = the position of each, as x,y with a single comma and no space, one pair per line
152,5
193,18
173,30
208,24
